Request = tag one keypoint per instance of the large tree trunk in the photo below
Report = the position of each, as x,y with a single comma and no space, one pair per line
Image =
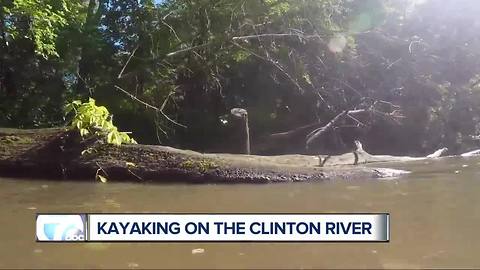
60,154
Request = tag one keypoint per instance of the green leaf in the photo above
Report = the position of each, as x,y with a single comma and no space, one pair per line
68,108
114,138
90,117
241,56
110,137
117,139
84,132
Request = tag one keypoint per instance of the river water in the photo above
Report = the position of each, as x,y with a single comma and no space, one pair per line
435,218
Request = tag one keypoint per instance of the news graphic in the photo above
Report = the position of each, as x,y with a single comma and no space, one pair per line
214,227
61,228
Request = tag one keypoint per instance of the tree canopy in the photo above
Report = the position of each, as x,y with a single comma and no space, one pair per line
170,72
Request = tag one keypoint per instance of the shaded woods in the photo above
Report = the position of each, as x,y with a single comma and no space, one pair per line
171,71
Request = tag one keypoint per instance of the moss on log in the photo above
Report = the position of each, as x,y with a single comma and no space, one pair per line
61,154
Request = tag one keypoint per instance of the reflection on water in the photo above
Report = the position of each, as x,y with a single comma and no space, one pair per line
435,215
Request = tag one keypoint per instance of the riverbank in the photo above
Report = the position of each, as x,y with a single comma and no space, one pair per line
61,154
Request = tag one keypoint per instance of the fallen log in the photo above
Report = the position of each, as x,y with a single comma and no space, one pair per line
473,153
360,156
62,154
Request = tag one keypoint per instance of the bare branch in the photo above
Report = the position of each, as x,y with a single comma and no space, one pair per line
193,48
315,134
274,36
171,28
136,99
360,123
100,169
168,14
166,100
274,63
315,131
393,63
126,63
149,106
187,49
348,86
90,89
293,132
160,110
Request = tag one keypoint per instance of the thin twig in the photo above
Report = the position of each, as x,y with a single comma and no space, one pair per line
141,101
166,100
315,134
168,14
149,106
275,64
172,30
274,36
393,63
101,169
187,49
348,86
355,119
138,177
126,63
136,99
90,89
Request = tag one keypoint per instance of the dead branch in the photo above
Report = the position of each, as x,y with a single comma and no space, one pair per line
348,86
293,132
136,99
126,63
188,49
172,30
274,36
272,62
317,133
314,131
160,110
149,106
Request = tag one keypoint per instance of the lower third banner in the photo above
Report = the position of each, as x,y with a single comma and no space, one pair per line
214,227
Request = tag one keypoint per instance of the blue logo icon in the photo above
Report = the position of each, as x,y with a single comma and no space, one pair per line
60,228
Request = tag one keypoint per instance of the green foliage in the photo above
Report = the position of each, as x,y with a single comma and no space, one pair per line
46,19
92,119
289,62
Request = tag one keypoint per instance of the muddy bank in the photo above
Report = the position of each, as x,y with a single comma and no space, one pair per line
60,154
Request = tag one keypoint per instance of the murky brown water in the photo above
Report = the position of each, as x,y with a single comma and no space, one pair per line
435,218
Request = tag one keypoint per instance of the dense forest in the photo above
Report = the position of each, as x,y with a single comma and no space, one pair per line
171,71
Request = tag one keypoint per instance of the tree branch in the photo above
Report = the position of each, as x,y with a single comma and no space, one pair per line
149,106
275,36
315,134
274,63
126,63
160,110
187,49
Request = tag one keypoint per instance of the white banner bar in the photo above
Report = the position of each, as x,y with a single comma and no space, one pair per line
239,227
